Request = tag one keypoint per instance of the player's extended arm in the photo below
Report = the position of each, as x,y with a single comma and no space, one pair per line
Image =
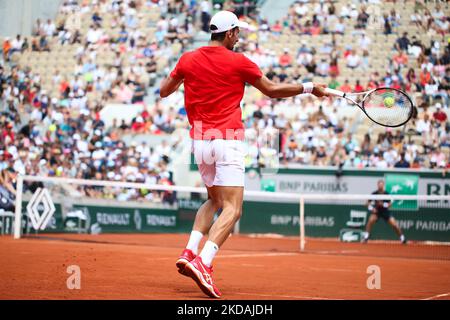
169,86
284,90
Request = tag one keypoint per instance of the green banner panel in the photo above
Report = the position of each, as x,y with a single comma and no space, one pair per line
327,221
115,219
402,184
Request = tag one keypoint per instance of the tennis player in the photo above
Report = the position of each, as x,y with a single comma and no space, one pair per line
214,80
380,209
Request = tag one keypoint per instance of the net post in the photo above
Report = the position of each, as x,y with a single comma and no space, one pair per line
302,223
18,213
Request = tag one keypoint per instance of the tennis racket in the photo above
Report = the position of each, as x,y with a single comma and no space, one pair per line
387,107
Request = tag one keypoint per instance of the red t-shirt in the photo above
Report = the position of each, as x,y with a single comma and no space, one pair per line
440,116
346,88
396,85
424,78
214,83
371,85
359,88
285,60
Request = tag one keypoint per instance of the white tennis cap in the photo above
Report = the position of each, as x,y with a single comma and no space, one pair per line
226,20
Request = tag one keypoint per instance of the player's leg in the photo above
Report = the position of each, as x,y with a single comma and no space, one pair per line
206,164
205,215
200,269
372,220
230,200
231,203
228,192
203,221
393,223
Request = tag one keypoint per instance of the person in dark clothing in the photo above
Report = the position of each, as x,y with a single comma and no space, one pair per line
380,209
402,42
402,163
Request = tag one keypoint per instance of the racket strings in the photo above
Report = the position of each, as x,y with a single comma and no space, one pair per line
388,107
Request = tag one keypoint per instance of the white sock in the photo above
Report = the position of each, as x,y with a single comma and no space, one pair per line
209,252
194,241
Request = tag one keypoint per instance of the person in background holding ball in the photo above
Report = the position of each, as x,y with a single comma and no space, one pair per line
380,208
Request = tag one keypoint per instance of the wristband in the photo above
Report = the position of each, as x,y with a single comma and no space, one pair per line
308,87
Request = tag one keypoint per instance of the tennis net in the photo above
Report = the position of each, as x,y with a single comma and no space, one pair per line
324,224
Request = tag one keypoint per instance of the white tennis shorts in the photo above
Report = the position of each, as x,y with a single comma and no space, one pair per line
220,162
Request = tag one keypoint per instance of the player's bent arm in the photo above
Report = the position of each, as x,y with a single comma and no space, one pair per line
284,90
277,90
169,86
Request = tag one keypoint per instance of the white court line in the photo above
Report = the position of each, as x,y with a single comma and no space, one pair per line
244,255
337,251
283,296
250,255
438,296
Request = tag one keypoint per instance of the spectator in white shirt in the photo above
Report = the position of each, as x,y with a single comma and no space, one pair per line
364,42
38,28
339,27
301,9
390,156
431,88
423,125
353,60
16,45
353,12
49,28
322,68
345,12
93,35
416,18
437,12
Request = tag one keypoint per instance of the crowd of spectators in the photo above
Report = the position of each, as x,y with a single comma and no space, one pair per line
60,132
64,135
319,135
60,142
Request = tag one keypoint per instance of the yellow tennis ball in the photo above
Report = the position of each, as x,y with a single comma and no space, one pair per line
389,102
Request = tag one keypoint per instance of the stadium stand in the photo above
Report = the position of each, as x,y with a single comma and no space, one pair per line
55,83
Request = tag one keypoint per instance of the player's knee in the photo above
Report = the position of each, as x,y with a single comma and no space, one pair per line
237,214
234,209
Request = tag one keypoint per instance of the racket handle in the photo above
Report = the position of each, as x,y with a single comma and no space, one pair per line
335,92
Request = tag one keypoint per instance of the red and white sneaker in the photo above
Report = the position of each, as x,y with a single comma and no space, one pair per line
202,275
185,257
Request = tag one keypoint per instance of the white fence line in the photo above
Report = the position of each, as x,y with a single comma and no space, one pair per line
273,195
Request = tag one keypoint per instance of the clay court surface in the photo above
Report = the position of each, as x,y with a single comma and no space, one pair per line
140,266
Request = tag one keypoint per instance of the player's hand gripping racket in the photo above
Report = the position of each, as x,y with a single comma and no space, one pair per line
385,106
